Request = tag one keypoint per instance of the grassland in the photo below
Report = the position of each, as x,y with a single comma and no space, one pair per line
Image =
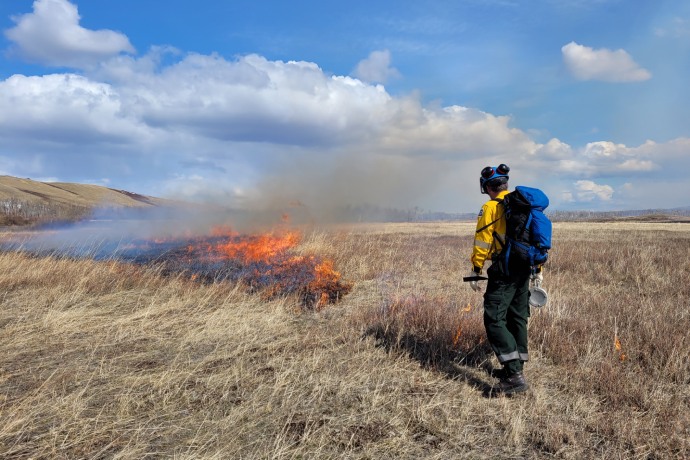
105,360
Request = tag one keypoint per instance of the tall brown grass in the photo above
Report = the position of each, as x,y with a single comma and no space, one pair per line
106,360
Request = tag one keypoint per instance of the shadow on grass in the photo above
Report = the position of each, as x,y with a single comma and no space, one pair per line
434,355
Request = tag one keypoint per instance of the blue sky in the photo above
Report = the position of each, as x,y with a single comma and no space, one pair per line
389,103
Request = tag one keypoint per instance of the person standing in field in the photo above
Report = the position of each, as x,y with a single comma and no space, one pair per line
506,300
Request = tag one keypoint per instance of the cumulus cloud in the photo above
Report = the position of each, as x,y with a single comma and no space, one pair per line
554,149
376,68
587,190
65,108
211,127
608,159
246,100
252,99
586,63
614,164
51,35
604,149
275,128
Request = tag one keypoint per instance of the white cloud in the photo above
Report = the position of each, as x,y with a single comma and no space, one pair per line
51,35
226,130
634,164
587,190
608,159
240,121
253,99
247,100
604,149
554,149
453,131
589,167
586,63
376,68
65,108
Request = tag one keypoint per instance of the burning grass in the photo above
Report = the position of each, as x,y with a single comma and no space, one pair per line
265,263
262,262
105,359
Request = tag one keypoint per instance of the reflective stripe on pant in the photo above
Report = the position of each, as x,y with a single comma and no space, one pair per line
506,311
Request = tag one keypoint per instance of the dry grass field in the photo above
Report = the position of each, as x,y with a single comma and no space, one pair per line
108,360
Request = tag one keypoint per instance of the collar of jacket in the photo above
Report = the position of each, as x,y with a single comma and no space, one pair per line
501,194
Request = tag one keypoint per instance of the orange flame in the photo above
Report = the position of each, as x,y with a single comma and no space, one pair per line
260,248
326,276
617,345
272,249
456,339
458,332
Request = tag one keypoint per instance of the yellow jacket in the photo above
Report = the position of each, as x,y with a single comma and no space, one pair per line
490,223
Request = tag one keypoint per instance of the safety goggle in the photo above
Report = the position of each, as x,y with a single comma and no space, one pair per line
489,171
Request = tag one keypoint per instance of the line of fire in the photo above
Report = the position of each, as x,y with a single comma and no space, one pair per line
265,263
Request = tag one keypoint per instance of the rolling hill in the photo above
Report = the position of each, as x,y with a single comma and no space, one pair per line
25,201
87,195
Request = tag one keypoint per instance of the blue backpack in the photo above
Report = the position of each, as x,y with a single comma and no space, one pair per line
528,230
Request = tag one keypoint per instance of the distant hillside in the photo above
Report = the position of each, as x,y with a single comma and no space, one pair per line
638,215
25,201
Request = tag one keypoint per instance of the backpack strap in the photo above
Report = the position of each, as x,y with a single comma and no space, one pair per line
498,200
500,240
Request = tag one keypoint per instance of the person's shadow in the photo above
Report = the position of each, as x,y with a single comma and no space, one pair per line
432,354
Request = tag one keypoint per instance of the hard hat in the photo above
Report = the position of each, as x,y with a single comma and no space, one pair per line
490,174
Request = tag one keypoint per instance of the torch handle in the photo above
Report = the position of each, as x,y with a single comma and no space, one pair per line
467,279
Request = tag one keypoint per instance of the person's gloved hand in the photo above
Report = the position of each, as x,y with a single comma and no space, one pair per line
537,278
475,284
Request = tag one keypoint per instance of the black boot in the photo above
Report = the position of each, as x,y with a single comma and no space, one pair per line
512,384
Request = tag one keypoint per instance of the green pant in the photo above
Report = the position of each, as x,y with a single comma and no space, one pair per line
506,310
